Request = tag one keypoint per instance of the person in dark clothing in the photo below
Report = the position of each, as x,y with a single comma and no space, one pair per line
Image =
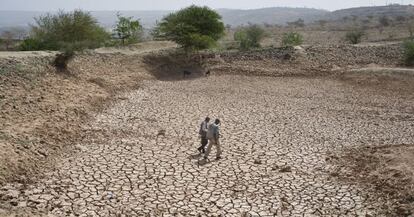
203,135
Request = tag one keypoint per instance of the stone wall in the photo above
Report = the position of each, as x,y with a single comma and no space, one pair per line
312,60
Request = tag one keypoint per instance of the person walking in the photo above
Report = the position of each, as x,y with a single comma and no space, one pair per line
203,135
213,134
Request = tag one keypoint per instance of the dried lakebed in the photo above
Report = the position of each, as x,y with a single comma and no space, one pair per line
138,156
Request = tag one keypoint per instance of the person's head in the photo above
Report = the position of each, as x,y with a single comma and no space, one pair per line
207,119
217,121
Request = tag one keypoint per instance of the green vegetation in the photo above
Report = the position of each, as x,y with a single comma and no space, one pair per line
30,44
409,52
129,31
300,23
65,30
322,23
384,21
194,28
61,61
249,37
8,39
292,39
354,36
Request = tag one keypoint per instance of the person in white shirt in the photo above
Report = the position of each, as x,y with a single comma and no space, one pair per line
213,135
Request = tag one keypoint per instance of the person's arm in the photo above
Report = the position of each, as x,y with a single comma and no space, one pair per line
216,132
204,127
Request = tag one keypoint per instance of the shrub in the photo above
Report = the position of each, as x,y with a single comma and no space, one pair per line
354,37
194,28
54,32
409,52
8,39
322,23
292,39
249,37
62,59
30,44
129,31
300,23
384,21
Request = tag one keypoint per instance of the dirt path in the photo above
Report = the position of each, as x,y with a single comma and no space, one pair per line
276,133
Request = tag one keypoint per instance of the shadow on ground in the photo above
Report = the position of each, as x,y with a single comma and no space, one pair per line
170,66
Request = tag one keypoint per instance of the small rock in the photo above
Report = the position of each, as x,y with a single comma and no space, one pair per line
286,169
161,133
257,161
22,204
44,154
12,194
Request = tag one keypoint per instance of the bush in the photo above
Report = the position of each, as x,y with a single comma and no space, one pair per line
8,39
194,28
292,39
354,37
61,61
249,37
384,21
55,32
128,30
30,44
409,52
300,23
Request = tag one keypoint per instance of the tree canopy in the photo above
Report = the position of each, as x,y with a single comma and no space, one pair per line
77,29
128,30
249,37
193,28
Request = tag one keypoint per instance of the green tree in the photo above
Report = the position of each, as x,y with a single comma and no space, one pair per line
128,30
354,36
193,28
409,52
250,37
292,39
66,30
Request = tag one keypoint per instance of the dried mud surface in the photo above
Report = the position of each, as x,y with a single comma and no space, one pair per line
138,156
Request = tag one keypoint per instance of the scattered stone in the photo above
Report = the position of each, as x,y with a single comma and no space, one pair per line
257,161
285,169
161,133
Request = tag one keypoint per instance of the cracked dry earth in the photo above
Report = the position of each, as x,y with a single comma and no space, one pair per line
276,135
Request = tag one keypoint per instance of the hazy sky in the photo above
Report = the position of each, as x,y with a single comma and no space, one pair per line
52,5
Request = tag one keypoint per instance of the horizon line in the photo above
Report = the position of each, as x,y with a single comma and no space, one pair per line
162,10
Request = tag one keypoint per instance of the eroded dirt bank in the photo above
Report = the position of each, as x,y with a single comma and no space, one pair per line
42,109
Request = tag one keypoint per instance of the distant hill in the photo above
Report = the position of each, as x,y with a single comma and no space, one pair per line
276,15
149,18
279,15
390,11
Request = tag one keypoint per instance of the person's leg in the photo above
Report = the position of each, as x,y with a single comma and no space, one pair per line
209,145
218,147
203,145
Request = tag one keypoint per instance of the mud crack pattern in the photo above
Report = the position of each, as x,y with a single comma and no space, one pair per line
276,133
